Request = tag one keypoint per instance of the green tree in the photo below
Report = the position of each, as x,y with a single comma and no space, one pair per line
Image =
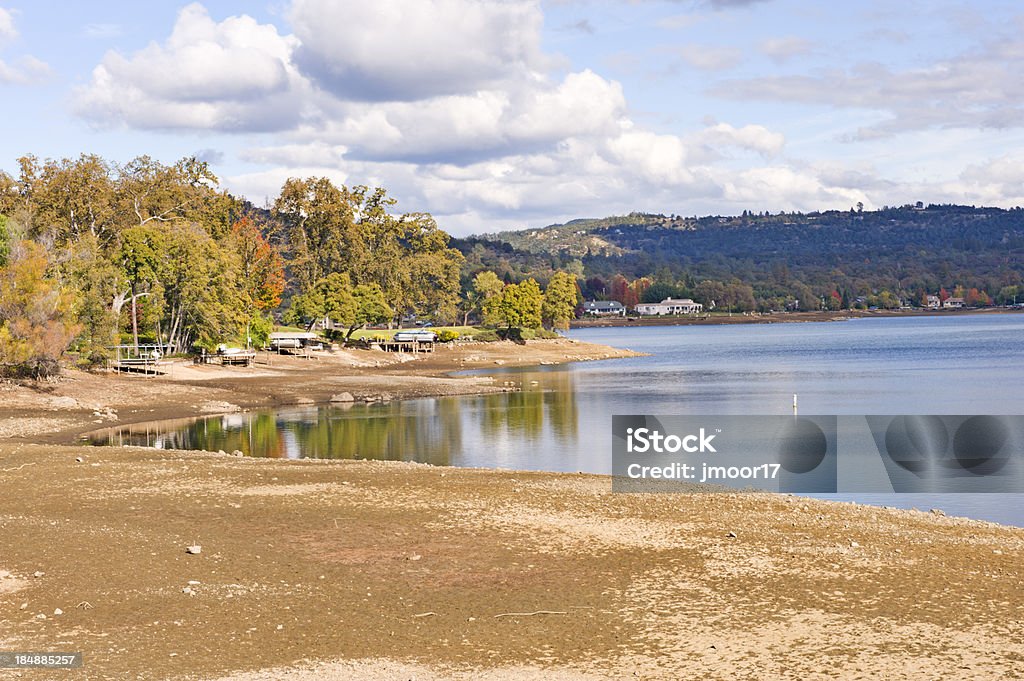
353,231
371,308
518,306
140,256
486,286
95,280
319,220
559,305
330,297
5,240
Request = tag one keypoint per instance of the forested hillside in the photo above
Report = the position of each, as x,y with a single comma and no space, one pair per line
828,259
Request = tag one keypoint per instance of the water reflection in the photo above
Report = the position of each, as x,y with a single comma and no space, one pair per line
433,431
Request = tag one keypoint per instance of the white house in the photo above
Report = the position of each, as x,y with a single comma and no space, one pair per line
934,302
954,303
670,306
604,308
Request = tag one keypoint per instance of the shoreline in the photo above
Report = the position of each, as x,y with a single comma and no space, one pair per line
59,411
340,569
779,317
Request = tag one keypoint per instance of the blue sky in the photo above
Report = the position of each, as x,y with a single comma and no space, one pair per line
505,114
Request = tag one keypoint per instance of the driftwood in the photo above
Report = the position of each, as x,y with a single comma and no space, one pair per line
18,468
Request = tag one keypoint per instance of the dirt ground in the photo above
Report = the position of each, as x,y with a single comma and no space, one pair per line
377,570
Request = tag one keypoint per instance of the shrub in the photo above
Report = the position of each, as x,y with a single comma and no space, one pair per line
447,335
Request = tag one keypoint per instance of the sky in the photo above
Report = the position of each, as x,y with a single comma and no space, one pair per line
506,114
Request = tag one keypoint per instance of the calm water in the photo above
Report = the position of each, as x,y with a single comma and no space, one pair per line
561,419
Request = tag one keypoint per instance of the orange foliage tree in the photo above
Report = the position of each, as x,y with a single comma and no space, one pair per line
34,314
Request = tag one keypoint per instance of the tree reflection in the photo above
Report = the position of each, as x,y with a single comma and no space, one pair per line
429,430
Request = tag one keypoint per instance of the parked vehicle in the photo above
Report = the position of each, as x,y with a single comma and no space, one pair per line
421,335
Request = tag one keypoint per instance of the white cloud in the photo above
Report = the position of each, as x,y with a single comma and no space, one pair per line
8,33
102,31
710,58
394,50
234,75
26,70
751,137
728,4
995,181
265,185
659,159
784,48
524,116
785,188
484,134
979,89
298,155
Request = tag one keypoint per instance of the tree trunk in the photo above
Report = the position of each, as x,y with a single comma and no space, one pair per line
135,321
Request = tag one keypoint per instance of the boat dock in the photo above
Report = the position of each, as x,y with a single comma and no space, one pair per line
144,359
242,358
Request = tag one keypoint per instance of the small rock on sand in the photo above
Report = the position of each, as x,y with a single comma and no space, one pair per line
194,549
343,397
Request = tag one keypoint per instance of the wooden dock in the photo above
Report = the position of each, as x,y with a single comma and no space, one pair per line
245,358
144,359
138,365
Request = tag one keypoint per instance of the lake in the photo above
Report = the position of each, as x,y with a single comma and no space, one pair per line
560,420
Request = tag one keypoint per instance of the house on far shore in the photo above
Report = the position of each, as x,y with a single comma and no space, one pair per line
604,308
934,302
670,306
953,303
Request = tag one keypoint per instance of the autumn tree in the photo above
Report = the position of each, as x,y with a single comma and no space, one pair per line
35,314
260,275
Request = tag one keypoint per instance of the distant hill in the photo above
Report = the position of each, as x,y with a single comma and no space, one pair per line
908,249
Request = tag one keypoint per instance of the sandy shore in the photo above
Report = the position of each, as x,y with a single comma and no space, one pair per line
375,570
